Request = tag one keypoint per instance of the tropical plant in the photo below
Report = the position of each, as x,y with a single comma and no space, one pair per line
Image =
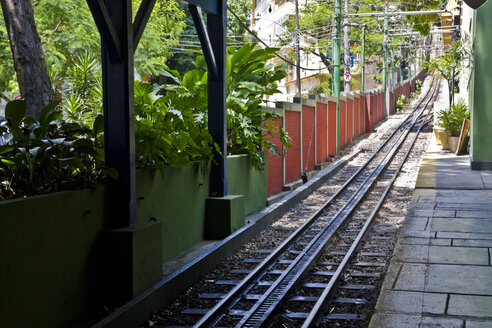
249,79
82,94
321,88
418,86
400,103
67,30
48,155
450,119
168,131
449,66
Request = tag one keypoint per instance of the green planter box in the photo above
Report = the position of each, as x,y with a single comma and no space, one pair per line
49,244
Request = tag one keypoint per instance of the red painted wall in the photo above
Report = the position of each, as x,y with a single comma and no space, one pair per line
275,163
322,130
368,111
362,115
381,106
356,117
292,158
332,128
350,120
308,138
343,109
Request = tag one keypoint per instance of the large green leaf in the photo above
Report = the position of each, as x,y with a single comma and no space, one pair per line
15,111
49,113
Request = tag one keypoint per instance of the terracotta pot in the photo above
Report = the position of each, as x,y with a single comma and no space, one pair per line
440,134
442,139
453,143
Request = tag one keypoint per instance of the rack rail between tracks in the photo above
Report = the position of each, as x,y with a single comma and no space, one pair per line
316,233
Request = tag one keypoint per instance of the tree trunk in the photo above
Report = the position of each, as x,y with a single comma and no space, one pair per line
451,94
29,64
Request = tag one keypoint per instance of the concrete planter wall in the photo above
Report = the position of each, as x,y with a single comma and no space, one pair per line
176,198
49,244
47,257
246,180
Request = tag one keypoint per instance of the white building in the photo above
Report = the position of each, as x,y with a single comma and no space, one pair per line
269,18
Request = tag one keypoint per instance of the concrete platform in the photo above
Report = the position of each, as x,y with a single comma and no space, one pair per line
441,273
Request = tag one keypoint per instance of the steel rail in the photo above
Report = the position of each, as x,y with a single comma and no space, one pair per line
228,299
327,293
213,316
264,309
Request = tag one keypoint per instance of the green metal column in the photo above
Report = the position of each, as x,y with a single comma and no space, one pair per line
363,75
402,68
336,63
410,58
392,73
385,60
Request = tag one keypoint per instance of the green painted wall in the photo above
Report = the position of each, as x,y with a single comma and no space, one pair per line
481,80
244,180
176,198
48,243
46,257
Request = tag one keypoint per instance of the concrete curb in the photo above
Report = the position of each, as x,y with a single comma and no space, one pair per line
161,294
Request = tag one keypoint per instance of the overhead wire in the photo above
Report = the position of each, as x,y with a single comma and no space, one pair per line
239,20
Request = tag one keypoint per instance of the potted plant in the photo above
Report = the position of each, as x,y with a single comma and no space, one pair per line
450,120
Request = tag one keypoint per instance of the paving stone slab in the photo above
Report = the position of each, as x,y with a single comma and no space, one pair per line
468,305
458,255
440,242
416,223
412,302
444,213
440,322
459,279
394,320
461,202
417,234
415,212
461,225
463,235
411,277
478,324
422,193
487,178
472,242
465,206
415,241
411,253
473,214
446,176
473,194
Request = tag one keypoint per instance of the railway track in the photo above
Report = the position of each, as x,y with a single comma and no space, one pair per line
327,261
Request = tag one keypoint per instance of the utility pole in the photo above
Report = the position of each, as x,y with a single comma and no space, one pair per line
392,73
363,57
409,58
298,53
336,63
385,59
402,68
346,47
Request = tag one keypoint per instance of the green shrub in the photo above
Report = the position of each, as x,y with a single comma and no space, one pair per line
321,88
249,79
48,155
450,119
400,103
168,130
